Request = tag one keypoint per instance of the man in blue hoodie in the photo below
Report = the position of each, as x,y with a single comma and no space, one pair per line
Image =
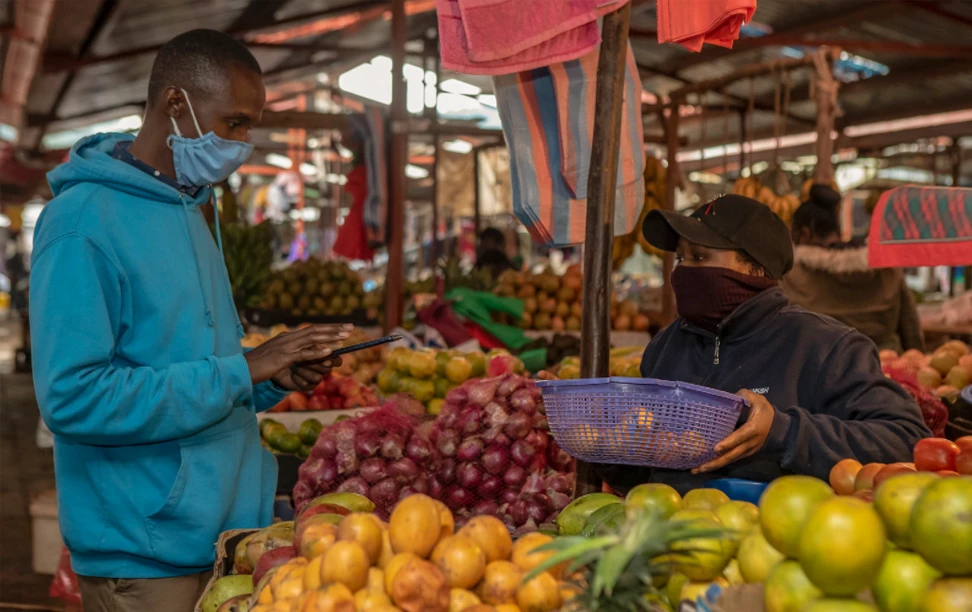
137,361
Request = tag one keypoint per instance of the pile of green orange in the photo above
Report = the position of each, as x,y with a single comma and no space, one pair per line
278,439
428,374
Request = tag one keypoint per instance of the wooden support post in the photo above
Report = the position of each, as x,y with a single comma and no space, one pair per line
599,238
395,274
826,94
668,264
477,194
432,52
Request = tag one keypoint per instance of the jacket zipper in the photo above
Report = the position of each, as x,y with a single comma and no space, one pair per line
715,360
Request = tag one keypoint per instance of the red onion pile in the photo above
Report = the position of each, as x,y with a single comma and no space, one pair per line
487,452
377,455
492,454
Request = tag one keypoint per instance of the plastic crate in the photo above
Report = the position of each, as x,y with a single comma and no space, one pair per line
639,421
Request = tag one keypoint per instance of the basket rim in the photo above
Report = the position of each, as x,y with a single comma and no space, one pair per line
648,382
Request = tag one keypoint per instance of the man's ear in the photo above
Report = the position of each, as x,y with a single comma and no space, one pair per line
173,101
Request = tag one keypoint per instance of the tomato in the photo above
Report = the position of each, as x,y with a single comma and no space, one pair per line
890,470
965,443
963,463
843,474
934,454
318,402
865,477
298,401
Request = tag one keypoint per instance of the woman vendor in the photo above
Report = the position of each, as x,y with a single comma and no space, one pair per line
833,278
815,386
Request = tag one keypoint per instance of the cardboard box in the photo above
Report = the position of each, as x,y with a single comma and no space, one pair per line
225,550
46,533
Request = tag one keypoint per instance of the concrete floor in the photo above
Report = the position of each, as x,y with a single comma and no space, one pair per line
25,471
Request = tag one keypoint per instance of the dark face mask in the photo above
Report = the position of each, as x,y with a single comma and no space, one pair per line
706,295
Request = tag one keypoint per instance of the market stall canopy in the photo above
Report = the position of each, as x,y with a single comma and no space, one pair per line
921,226
73,64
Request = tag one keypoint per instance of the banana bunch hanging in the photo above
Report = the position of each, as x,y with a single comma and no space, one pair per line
655,184
783,205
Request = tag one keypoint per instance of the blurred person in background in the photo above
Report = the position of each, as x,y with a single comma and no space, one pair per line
832,277
138,367
491,252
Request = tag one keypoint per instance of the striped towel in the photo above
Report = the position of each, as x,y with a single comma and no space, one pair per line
548,120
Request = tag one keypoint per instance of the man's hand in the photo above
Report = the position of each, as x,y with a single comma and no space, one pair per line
747,439
278,357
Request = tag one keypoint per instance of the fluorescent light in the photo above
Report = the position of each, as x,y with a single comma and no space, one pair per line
460,87
67,138
308,169
4,221
415,172
280,161
336,179
8,132
883,127
458,146
487,100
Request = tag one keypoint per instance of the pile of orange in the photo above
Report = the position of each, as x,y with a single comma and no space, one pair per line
415,562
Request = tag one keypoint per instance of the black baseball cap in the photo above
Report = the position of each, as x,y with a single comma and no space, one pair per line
731,222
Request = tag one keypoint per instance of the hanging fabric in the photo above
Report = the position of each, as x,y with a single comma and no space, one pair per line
548,121
691,23
921,226
370,127
497,37
352,237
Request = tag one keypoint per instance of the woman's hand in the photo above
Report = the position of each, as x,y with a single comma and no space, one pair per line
747,439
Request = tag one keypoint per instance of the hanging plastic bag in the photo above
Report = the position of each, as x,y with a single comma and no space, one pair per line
65,584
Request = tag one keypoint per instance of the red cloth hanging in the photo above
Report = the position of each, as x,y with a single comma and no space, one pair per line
691,23
352,238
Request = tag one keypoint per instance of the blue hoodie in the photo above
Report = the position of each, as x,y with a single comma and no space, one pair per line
139,373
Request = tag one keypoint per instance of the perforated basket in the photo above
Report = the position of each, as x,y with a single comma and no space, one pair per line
639,421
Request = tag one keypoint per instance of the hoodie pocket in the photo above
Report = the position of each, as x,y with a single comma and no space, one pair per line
211,493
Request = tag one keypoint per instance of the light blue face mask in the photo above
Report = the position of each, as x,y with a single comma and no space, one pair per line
205,160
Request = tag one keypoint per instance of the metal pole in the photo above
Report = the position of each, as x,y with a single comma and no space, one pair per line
477,196
395,275
599,238
432,49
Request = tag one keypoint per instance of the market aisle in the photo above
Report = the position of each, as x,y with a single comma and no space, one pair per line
25,471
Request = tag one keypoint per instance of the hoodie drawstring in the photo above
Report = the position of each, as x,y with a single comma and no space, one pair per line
210,320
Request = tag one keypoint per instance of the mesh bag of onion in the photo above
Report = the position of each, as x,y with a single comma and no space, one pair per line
378,455
492,454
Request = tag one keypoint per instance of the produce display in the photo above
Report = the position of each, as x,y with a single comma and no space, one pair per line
335,392
314,288
344,558
428,375
552,302
559,347
487,452
946,371
279,440
248,255
624,361
492,454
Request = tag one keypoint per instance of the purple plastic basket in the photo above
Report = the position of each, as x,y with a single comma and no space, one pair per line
639,421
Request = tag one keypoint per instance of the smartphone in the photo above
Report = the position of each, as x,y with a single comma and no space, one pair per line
344,350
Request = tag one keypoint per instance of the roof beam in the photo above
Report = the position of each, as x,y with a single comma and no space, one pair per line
875,46
841,17
56,63
936,9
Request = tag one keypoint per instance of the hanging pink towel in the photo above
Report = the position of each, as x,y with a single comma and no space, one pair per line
691,23
505,36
